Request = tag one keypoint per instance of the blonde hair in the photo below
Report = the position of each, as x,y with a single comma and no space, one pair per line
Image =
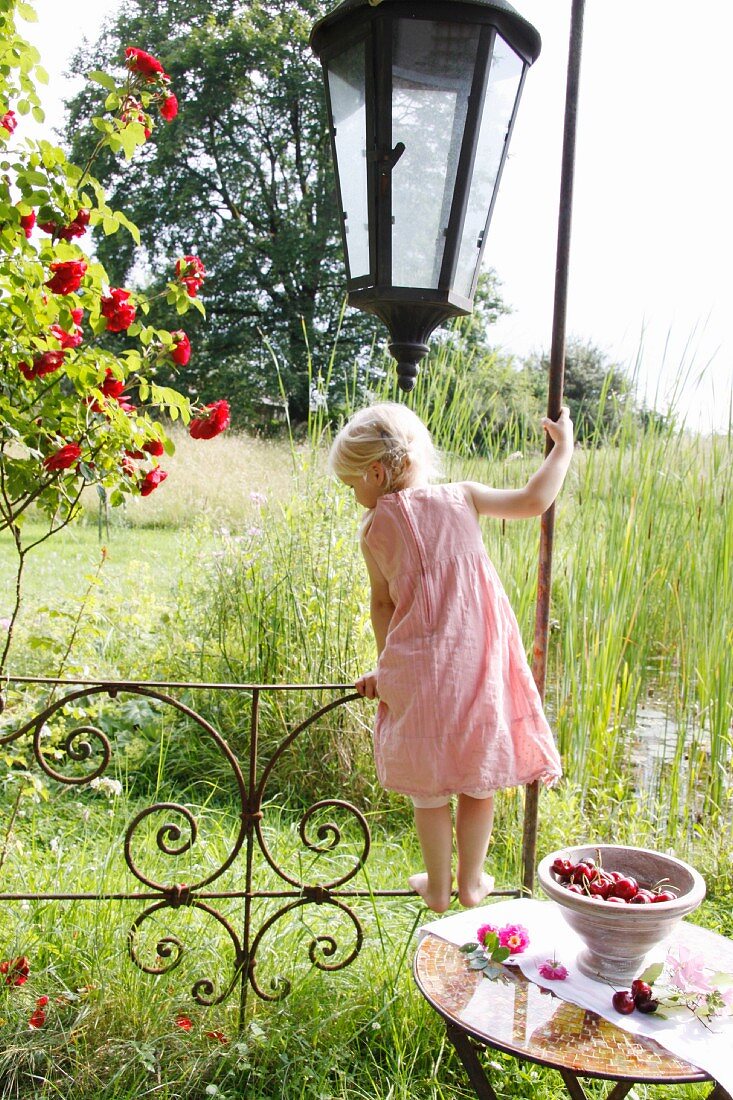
389,433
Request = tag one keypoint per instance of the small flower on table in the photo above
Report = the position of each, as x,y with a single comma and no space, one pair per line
494,947
552,970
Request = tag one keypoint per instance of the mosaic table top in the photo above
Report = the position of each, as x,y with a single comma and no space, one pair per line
521,1018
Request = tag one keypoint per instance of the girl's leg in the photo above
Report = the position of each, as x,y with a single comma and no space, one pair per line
474,820
435,833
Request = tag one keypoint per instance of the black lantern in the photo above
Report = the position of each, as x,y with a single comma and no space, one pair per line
422,98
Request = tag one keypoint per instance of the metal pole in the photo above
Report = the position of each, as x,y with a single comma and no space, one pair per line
554,402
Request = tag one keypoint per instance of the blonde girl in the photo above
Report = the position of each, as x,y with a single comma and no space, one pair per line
459,713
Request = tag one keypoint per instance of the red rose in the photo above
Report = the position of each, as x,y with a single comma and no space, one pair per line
77,315
119,312
9,121
27,221
126,405
67,276
184,1023
169,108
16,971
68,339
76,228
112,386
45,363
190,271
138,61
216,420
154,447
151,481
37,1019
62,459
181,350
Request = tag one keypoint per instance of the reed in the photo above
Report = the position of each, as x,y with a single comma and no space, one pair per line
251,589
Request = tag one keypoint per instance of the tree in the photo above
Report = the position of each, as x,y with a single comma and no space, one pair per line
597,392
244,178
471,335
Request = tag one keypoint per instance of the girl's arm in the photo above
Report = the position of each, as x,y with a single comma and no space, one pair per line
541,489
381,609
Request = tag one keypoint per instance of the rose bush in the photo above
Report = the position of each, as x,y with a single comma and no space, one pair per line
73,413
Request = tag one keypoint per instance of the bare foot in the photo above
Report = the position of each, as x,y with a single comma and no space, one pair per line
475,893
436,900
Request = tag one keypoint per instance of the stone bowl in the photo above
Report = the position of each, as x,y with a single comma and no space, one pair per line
618,937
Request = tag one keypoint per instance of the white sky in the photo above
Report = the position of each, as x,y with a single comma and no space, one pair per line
651,260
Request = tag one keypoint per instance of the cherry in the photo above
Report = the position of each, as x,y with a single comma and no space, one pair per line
564,868
642,897
664,895
585,873
615,901
574,888
623,1002
640,988
625,888
646,1004
600,886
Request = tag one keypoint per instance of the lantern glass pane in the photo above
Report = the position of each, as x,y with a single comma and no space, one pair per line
505,74
432,70
346,86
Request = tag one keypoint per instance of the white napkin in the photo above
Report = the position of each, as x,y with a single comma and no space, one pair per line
550,937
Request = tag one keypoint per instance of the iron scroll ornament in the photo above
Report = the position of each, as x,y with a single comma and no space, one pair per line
179,833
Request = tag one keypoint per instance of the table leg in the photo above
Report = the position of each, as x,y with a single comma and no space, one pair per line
573,1085
467,1053
620,1089
575,1089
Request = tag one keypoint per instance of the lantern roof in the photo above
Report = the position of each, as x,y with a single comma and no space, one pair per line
529,42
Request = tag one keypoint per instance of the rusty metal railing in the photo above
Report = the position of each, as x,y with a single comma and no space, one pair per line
86,753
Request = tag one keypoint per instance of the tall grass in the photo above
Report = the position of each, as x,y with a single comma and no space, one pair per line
273,590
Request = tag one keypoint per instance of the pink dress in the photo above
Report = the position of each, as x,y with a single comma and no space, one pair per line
459,710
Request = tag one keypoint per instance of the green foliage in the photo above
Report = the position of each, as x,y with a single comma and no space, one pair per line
66,417
599,394
244,177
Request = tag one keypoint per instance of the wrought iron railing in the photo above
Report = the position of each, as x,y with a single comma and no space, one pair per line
86,753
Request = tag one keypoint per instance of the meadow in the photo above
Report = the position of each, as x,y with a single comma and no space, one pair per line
244,568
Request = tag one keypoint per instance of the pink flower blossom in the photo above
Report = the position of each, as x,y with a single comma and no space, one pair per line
515,937
553,970
687,970
485,929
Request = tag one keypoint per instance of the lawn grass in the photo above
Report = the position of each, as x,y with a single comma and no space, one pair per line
114,1031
